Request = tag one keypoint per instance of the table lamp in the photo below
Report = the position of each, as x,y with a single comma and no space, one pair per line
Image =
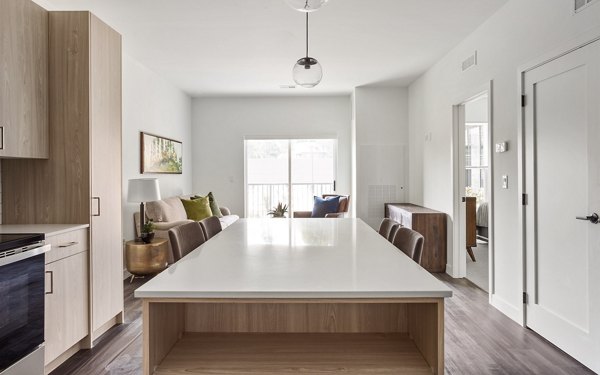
143,190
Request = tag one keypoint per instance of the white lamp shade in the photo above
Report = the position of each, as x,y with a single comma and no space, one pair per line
143,190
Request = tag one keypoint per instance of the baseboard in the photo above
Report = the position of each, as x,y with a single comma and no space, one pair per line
63,357
507,309
450,271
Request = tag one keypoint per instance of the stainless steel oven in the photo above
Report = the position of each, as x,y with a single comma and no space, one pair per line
22,289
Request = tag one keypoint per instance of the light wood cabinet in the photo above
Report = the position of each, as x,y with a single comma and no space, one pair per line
23,79
81,181
67,304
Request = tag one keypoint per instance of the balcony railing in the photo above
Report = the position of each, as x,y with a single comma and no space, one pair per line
260,198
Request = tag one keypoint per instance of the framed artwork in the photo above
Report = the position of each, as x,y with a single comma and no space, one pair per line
160,154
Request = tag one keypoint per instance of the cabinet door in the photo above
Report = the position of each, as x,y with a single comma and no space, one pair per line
105,117
67,304
23,79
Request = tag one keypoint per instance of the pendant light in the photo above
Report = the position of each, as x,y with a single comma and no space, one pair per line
306,5
307,71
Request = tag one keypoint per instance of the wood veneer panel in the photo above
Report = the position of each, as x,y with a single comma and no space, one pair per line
270,354
105,140
426,328
163,327
57,190
24,79
296,317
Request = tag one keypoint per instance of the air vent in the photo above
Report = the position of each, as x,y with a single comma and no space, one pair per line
287,86
583,4
470,62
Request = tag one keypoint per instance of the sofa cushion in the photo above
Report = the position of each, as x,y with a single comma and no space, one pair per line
168,209
324,206
228,220
197,209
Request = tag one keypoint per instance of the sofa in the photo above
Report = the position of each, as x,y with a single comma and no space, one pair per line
169,212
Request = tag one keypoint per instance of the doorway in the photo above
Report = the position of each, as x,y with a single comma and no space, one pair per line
561,134
473,189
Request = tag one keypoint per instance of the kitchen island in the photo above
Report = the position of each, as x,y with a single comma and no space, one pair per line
294,296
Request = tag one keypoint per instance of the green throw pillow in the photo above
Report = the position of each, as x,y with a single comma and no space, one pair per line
214,206
197,209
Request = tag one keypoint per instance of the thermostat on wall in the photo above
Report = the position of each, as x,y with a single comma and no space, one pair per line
502,147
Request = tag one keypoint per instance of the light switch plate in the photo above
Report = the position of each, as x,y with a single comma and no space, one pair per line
501,147
504,182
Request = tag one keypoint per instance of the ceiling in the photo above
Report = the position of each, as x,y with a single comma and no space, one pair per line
248,47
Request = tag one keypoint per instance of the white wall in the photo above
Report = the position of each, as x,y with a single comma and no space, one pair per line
381,132
153,105
516,34
220,125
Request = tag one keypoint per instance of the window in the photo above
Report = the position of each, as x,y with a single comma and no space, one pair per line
290,171
476,160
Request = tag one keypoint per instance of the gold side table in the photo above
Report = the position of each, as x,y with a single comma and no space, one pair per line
143,259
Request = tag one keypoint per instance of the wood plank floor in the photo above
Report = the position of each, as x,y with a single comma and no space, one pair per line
479,340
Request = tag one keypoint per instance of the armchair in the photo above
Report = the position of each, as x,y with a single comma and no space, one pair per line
342,209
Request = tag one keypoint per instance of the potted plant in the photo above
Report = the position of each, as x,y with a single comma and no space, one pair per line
279,210
148,231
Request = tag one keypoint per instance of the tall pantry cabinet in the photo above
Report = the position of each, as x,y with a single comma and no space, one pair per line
80,183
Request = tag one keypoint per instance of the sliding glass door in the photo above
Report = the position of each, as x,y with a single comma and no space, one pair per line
290,171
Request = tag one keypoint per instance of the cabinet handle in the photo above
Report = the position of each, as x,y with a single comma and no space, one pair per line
98,199
51,282
2,135
69,244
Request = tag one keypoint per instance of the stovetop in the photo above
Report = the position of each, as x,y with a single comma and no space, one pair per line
13,241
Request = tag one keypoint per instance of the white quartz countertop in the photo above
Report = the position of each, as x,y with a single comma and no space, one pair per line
295,258
48,229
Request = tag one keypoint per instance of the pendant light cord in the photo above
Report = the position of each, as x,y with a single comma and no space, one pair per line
307,35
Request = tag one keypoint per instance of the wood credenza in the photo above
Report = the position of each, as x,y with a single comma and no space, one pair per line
431,224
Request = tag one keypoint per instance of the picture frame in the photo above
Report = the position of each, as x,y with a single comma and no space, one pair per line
160,155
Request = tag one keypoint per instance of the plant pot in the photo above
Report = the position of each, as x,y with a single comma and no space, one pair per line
147,237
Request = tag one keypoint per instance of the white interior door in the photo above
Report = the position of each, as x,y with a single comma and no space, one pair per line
562,164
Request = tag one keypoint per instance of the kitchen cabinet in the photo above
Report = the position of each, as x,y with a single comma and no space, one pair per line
23,80
81,183
67,306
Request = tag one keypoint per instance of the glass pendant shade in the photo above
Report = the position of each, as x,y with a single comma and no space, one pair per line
307,72
306,5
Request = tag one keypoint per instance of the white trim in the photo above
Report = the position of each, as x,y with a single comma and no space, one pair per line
285,137
507,309
459,253
450,270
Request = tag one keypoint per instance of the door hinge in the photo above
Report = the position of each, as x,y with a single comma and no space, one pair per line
525,298
523,100
525,200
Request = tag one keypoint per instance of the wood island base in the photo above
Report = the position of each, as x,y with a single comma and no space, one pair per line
277,336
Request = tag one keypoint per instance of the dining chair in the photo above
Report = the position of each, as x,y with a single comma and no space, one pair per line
388,228
185,238
410,242
211,226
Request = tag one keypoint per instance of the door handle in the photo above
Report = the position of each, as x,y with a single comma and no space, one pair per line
98,199
2,137
593,218
51,282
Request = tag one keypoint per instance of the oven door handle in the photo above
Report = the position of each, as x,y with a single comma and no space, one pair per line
24,255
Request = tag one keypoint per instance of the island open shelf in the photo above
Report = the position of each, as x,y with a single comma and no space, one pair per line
349,336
